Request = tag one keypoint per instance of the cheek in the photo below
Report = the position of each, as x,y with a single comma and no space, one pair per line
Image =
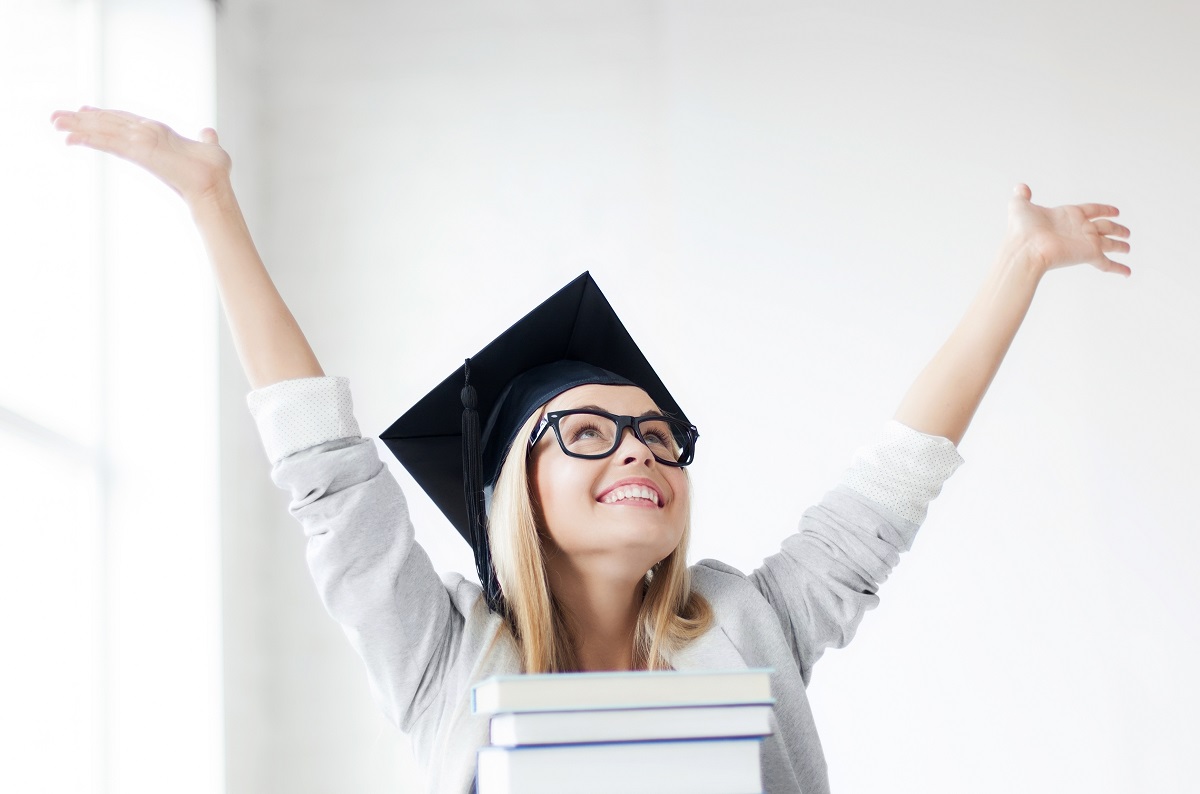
681,487
562,494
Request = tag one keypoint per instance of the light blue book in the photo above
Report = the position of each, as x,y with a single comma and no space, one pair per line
630,725
622,690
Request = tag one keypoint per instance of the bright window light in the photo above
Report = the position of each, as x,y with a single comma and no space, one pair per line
111,676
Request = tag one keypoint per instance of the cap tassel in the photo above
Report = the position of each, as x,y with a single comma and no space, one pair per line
473,487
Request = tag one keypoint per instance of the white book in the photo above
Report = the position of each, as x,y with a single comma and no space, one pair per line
726,766
630,725
624,690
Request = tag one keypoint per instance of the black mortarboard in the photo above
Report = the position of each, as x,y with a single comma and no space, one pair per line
572,338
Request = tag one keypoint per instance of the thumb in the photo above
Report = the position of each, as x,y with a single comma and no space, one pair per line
208,135
1022,191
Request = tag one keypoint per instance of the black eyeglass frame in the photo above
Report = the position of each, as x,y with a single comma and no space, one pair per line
687,446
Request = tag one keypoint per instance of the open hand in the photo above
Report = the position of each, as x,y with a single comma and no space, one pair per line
193,169
1067,235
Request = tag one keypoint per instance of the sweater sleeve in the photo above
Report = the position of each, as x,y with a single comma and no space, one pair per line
372,576
827,574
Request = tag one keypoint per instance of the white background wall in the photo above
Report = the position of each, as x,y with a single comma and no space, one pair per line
790,204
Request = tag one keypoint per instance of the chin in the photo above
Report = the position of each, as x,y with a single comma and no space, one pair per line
652,546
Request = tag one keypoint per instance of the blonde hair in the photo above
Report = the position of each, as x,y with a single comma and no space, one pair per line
671,613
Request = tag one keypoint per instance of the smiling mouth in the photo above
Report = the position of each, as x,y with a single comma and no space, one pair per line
632,495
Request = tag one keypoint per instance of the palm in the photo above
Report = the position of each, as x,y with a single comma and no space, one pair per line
1068,235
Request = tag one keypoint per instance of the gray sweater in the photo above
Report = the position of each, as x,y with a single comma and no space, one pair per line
427,639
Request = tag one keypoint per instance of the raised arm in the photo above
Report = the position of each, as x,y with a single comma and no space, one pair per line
945,396
269,342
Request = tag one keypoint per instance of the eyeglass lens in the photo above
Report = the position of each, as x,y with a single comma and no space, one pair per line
593,434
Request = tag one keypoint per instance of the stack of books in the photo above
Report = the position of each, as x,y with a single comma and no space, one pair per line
653,732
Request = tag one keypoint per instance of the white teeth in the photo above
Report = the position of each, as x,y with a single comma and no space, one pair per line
631,492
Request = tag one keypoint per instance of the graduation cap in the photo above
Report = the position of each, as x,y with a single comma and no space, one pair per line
572,338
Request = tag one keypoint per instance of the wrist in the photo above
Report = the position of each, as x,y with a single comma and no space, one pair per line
215,198
1021,260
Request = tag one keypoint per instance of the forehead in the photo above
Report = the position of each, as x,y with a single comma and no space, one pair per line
627,400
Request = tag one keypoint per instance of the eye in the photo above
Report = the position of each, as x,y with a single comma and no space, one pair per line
584,432
657,435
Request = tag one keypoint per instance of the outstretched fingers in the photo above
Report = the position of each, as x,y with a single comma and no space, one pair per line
1106,265
113,131
90,120
1109,244
1110,229
94,132
1092,211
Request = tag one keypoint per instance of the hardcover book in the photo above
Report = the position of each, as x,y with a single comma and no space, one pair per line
624,690
723,766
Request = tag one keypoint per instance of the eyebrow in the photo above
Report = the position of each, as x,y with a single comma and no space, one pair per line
652,412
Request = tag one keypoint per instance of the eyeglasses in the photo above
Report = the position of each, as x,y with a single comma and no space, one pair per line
589,434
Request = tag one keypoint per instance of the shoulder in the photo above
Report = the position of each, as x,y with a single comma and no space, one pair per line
724,585
715,571
742,612
473,646
466,597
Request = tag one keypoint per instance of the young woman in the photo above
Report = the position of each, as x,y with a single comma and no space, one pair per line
588,521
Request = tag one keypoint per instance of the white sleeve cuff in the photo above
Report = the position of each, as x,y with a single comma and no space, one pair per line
903,470
297,414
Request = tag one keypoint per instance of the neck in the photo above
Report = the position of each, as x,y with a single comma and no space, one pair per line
603,609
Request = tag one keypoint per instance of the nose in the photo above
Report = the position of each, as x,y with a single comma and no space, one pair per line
632,450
